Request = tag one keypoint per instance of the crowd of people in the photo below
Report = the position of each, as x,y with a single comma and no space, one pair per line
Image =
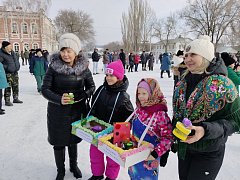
130,60
205,92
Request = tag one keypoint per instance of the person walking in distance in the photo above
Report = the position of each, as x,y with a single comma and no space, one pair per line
122,57
38,68
95,59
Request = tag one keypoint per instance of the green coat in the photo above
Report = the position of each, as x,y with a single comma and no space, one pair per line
234,76
3,80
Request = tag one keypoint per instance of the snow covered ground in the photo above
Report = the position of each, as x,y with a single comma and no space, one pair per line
26,155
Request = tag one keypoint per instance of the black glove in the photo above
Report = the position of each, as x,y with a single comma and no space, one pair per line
164,158
174,146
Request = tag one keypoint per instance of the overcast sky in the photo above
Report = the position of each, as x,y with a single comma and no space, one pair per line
107,14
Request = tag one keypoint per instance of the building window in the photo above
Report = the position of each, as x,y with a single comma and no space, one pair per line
26,46
14,28
16,47
24,28
34,28
35,46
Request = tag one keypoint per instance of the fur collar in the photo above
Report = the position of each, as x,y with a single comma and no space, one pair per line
57,64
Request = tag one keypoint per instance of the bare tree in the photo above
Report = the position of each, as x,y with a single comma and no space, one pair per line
164,29
77,22
211,17
27,5
234,38
136,25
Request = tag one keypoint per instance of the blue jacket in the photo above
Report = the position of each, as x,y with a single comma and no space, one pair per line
3,80
165,62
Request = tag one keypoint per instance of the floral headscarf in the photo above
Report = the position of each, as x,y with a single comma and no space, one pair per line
156,97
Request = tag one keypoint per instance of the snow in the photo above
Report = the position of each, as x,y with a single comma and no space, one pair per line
26,154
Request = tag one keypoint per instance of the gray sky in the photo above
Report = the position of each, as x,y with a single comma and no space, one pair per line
107,14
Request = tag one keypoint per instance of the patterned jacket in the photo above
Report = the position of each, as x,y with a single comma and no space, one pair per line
160,127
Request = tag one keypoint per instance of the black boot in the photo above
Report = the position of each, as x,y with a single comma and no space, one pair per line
72,151
16,100
59,153
1,112
8,103
162,73
96,177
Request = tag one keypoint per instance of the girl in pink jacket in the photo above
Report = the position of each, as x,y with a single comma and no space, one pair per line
151,102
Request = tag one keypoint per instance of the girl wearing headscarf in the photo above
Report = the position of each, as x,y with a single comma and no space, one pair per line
151,104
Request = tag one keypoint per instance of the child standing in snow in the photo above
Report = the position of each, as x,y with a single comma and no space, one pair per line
110,103
150,102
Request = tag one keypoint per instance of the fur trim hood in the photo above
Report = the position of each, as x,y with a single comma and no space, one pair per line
57,64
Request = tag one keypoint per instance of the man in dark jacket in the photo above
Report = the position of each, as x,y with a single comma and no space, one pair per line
122,57
143,58
11,66
95,59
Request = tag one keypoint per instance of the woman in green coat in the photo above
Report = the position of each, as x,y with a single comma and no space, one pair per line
3,85
234,75
209,99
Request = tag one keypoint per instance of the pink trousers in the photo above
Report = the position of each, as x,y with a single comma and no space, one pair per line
98,166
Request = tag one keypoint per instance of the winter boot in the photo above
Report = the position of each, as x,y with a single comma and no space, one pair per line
59,153
1,112
17,101
8,103
96,177
107,178
72,151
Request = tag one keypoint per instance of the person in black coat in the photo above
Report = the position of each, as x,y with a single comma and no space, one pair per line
122,57
95,59
67,73
110,103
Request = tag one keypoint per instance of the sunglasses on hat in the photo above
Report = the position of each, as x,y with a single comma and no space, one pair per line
109,71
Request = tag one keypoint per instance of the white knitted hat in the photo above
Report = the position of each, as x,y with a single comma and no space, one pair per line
70,40
201,46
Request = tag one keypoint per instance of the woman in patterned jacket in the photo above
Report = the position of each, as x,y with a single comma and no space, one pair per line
210,100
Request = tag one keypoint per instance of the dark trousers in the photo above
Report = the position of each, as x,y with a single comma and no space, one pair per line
1,95
201,166
12,79
136,67
144,65
168,72
130,68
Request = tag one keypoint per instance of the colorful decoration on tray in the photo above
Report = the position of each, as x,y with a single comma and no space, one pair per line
121,133
93,126
127,148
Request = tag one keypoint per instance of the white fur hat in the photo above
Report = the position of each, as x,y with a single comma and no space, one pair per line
201,46
70,40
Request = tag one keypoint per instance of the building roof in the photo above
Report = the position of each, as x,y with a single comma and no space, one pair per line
228,49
